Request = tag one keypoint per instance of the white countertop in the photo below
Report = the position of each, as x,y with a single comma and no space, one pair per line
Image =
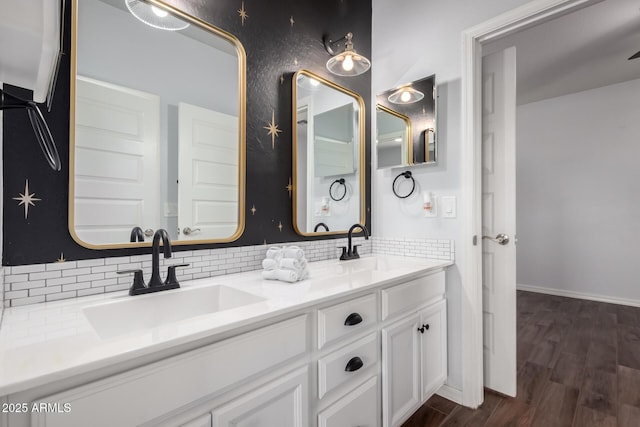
48,342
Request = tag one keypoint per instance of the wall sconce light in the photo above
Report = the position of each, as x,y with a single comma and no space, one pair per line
347,63
405,95
155,16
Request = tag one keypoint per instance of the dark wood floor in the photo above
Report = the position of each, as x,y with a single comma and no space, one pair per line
578,365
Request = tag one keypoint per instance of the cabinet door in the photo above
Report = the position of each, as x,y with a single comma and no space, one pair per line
433,348
400,370
282,402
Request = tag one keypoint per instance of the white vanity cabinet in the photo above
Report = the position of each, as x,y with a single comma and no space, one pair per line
369,359
414,358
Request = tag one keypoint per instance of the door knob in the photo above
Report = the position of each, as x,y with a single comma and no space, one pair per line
189,230
148,232
501,239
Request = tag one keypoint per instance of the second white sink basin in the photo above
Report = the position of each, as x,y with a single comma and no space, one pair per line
147,311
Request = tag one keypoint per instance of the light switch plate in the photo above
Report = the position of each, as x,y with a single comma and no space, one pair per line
448,206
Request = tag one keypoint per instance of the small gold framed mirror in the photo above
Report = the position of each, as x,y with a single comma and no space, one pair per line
328,156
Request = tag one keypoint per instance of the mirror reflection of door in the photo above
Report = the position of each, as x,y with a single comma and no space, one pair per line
328,155
197,66
116,172
208,170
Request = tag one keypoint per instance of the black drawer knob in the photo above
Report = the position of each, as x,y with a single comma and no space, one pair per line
354,364
353,319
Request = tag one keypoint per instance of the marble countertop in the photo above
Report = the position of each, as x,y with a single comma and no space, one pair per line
44,343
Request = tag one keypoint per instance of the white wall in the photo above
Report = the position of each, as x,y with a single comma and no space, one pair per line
578,201
415,40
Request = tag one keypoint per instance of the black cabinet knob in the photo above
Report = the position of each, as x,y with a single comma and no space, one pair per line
354,364
353,319
423,328
426,326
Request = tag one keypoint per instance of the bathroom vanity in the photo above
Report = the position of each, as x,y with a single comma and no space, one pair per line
361,342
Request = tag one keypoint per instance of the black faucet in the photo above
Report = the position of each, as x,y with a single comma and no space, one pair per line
137,235
155,256
155,283
350,252
320,224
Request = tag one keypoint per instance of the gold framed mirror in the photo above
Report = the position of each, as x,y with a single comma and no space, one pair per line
393,133
328,156
157,126
415,102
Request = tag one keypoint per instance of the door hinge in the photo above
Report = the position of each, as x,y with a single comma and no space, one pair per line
475,240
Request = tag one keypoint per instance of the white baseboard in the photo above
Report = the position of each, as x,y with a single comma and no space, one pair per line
579,295
450,393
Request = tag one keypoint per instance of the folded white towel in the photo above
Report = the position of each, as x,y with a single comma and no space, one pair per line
282,275
292,252
269,264
274,252
293,264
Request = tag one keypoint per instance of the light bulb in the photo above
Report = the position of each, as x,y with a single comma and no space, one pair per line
347,64
405,97
159,12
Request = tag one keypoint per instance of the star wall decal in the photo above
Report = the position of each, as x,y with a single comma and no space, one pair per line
280,226
243,14
253,210
61,259
291,21
273,130
26,199
289,187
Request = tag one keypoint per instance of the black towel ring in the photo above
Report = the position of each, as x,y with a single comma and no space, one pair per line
341,182
407,175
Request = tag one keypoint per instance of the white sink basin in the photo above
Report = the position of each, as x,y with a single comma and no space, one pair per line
147,311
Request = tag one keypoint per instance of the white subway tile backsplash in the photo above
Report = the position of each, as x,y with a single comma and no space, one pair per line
32,284
33,268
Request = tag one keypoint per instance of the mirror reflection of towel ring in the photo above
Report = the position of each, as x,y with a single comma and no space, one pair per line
340,182
407,175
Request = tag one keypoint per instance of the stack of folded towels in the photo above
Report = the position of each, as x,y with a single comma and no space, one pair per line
287,264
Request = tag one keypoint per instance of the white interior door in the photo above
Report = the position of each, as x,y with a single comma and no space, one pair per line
499,217
207,173
116,161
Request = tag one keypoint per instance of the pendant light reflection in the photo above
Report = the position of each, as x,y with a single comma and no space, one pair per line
405,95
155,16
347,63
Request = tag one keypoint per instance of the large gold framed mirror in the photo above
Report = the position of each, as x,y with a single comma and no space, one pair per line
328,156
157,136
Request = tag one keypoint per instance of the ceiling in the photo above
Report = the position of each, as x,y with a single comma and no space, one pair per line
579,51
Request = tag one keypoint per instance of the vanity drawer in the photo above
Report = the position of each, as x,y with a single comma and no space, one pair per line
347,363
341,319
358,408
398,299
